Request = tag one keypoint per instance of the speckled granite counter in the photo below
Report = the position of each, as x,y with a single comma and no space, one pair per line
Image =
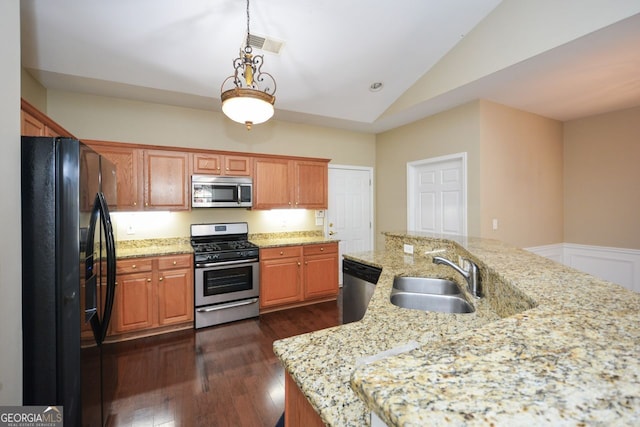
152,247
547,345
270,240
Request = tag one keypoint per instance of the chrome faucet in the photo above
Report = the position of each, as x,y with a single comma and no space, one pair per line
471,275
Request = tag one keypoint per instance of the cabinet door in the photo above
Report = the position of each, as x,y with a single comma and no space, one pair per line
175,296
128,175
207,163
320,271
133,307
280,281
166,180
31,126
238,165
311,184
272,184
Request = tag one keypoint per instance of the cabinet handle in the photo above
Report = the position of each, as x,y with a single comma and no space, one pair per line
133,266
227,168
298,263
146,203
161,279
115,283
135,203
306,263
281,253
148,280
321,249
175,262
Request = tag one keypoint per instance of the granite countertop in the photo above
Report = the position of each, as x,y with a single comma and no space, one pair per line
152,247
546,345
182,245
271,240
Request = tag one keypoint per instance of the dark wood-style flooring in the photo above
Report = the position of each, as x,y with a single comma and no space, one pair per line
226,375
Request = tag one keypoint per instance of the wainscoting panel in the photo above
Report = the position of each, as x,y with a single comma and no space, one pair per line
554,252
617,265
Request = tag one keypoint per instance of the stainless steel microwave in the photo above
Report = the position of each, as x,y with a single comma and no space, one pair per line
210,191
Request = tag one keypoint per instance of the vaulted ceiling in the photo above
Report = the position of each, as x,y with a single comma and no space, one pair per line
179,53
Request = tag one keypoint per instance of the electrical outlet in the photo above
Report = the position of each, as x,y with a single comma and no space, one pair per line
408,249
495,223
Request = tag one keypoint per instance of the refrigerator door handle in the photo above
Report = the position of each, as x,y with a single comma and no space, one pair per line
111,265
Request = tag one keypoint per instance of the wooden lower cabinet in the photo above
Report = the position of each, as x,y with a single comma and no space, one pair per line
297,275
297,409
280,276
175,296
151,293
320,270
133,305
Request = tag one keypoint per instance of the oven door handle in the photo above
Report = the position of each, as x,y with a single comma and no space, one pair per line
225,306
216,264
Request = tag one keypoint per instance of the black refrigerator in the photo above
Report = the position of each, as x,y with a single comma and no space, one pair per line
68,278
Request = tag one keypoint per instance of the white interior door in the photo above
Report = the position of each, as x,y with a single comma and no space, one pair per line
437,195
349,218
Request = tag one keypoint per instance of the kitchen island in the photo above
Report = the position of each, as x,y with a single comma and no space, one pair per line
546,345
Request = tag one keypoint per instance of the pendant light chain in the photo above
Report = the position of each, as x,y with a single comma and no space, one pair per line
248,32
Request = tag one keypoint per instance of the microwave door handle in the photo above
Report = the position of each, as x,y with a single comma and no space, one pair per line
238,193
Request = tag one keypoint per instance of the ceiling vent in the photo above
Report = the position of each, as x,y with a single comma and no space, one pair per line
264,43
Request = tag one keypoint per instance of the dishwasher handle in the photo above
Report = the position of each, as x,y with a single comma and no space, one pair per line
361,271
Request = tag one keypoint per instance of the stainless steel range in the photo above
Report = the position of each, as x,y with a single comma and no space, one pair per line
227,273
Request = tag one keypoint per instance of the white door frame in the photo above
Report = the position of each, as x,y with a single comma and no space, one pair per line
411,172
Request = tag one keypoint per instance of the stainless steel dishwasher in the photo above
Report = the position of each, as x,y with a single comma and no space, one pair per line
358,283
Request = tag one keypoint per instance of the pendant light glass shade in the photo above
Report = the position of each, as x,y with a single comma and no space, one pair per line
247,106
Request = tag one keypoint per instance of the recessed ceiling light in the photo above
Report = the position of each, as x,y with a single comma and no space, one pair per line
376,87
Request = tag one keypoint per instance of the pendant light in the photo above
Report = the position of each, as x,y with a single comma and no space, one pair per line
248,94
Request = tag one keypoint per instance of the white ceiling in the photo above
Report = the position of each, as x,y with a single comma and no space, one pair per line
179,53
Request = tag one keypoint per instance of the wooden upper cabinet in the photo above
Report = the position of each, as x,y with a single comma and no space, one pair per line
207,163
272,183
222,164
166,180
36,123
128,174
31,126
284,183
311,184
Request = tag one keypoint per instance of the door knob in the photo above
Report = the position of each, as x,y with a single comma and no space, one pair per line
331,233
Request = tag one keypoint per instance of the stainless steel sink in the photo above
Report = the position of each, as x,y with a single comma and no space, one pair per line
429,294
426,285
431,302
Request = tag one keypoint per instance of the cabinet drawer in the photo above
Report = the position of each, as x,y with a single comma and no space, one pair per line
134,265
280,252
174,261
319,249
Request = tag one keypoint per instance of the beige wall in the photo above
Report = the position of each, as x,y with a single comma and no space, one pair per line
112,119
10,250
521,176
514,162
32,91
453,131
602,180
95,117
